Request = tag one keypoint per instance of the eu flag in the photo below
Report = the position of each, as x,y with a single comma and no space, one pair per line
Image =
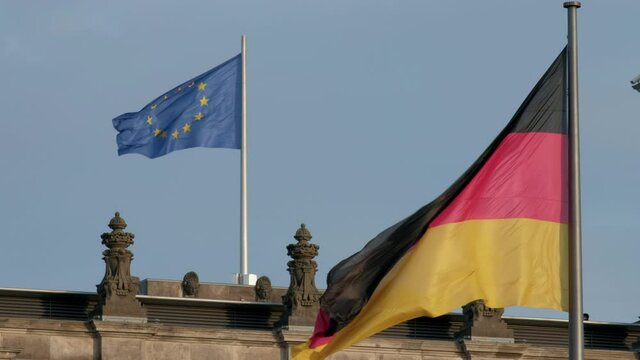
202,112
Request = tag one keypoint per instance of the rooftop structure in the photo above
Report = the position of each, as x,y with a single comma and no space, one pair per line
188,319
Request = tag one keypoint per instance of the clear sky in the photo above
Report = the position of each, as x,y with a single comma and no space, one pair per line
359,113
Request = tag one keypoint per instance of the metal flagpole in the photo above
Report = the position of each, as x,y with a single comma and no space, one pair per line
243,277
576,326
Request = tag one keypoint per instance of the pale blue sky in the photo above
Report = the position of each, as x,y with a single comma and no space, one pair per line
359,113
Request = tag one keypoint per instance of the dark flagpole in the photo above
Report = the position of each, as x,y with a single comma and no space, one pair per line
576,326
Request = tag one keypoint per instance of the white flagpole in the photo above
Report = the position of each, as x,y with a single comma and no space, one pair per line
243,277
576,325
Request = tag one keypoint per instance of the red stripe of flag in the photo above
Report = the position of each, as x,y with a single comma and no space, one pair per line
526,177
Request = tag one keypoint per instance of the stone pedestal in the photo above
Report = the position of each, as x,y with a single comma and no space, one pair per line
484,350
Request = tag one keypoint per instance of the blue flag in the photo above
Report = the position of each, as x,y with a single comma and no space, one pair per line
202,112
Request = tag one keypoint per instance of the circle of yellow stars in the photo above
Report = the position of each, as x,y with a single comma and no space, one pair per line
163,133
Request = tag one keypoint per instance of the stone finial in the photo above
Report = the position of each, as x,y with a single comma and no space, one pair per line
481,321
118,289
302,234
190,284
117,238
302,297
263,289
117,223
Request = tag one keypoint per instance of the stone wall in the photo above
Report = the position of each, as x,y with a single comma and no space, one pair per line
74,340
106,340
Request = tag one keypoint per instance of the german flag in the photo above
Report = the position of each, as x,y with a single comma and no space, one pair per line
499,233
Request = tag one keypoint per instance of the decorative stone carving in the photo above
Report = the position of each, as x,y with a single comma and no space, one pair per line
190,285
481,321
263,289
118,288
302,298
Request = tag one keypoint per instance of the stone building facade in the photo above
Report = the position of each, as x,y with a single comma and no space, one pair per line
185,319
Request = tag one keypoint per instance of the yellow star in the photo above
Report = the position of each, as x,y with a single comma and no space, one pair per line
204,101
186,128
156,132
164,134
175,134
154,106
149,120
202,86
198,116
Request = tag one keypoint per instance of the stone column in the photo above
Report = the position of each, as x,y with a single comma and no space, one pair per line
484,323
118,288
302,298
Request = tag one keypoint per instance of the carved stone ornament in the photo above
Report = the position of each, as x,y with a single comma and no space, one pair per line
263,289
302,287
478,310
190,285
302,298
118,289
484,322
